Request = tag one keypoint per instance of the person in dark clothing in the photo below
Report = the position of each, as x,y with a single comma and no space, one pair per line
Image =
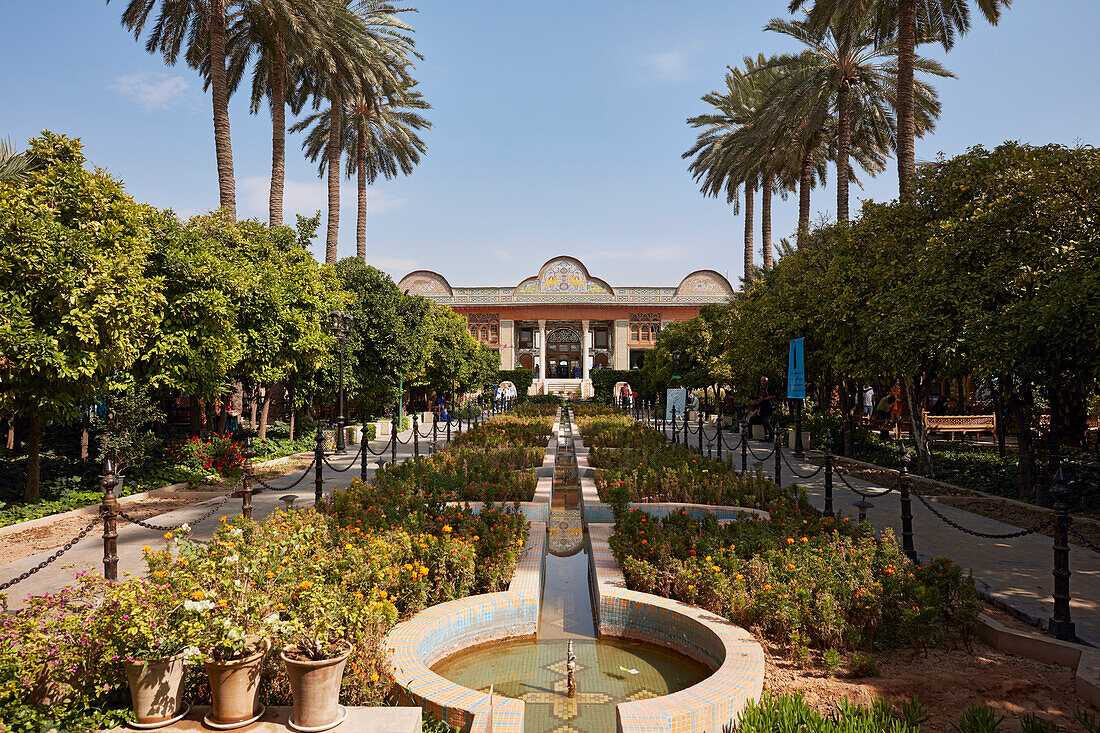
762,410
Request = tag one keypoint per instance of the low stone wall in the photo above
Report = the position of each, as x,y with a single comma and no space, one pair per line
413,646
736,657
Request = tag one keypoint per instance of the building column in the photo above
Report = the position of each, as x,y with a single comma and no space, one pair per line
584,349
507,345
622,345
542,349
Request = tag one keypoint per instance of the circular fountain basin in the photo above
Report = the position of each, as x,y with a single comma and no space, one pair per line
609,671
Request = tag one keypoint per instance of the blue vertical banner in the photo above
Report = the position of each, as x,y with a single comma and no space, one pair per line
796,371
675,398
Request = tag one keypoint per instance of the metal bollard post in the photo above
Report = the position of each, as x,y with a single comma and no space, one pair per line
744,453
318,471
364,445
863,505
246,479
435,432
109,510
1061,626
718,431
700,423
674,424
394,427
829,475
448,429
906,504
416,437
778,459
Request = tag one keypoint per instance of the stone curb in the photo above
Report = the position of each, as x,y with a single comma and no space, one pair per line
1084,660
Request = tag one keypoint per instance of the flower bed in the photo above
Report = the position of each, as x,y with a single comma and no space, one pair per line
374,554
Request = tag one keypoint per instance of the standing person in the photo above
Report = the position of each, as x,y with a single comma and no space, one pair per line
762,412
868,400
895,411
624,395
440,408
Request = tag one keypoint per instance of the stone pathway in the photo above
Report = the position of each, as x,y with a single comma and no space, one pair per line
1015,572
87,555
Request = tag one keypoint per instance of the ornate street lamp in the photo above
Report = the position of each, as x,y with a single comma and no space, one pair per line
341,327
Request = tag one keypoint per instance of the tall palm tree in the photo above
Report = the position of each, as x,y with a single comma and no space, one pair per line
910,22
202,24
13,165
718,163
273,37
844,70
380,139
383,57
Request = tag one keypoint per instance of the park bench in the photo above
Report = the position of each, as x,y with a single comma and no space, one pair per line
964,424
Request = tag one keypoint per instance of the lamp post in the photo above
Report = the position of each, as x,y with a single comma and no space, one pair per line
341,328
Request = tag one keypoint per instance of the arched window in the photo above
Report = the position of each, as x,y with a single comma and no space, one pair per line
485,328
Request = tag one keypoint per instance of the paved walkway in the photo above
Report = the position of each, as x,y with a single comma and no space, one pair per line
88,553
1016,572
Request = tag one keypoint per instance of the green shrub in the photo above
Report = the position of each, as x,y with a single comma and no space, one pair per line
979,719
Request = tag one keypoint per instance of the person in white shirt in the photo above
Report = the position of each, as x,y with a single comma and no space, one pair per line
868,400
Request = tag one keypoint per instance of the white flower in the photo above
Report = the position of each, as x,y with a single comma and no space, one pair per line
198,606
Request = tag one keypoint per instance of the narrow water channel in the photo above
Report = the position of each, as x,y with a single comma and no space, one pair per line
609,670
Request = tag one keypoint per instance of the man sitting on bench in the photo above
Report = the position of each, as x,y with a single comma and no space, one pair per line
762,413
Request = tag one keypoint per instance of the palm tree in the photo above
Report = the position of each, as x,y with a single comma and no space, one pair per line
202,24
845,71
718,164
382,60
380,139
910,22
13,165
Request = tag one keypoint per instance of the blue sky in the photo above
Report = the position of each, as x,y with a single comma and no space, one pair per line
558,126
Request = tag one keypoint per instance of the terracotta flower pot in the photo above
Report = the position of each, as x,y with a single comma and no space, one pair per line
316,689
156,689
235,688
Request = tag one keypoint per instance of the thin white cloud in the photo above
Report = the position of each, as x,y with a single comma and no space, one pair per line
396,266
306,197
151,90
667,65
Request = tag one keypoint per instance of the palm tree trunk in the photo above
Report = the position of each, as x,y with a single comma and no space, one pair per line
843,146
805,182
907,39
278,135
766,220
748,231
335,122
361,185
223,148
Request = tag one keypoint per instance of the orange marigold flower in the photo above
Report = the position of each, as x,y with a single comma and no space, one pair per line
198,595
147,548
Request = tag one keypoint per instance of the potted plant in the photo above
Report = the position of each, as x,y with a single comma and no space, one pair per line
151,630
316,656
225,583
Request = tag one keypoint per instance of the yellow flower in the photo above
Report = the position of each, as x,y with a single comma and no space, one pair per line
790,540
270,574
408,567
147,548
715,568
160,573
374,677
167,535
446,529
198,595
348,546
424,570
305,585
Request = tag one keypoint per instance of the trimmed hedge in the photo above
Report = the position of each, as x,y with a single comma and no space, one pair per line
604,381
522,378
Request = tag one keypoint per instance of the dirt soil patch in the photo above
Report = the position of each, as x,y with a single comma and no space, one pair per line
55,534
946,682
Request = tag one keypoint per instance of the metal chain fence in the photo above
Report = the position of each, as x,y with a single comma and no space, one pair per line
1080,537
64,548
266,485
975,533
350,465
865,494
794,471
164,528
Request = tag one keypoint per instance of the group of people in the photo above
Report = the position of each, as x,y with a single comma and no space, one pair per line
504,393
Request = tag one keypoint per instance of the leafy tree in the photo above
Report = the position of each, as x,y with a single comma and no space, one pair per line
13,165
387,339
76,305
454,362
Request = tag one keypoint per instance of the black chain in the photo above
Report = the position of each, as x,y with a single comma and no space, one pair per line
162,528
305,473
839,474
64,548
385,448
986,535
1074,532
349,466
765,458
799,475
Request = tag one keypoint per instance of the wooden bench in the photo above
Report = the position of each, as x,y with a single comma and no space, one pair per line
964,424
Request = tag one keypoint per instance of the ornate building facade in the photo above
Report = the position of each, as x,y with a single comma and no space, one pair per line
563,323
